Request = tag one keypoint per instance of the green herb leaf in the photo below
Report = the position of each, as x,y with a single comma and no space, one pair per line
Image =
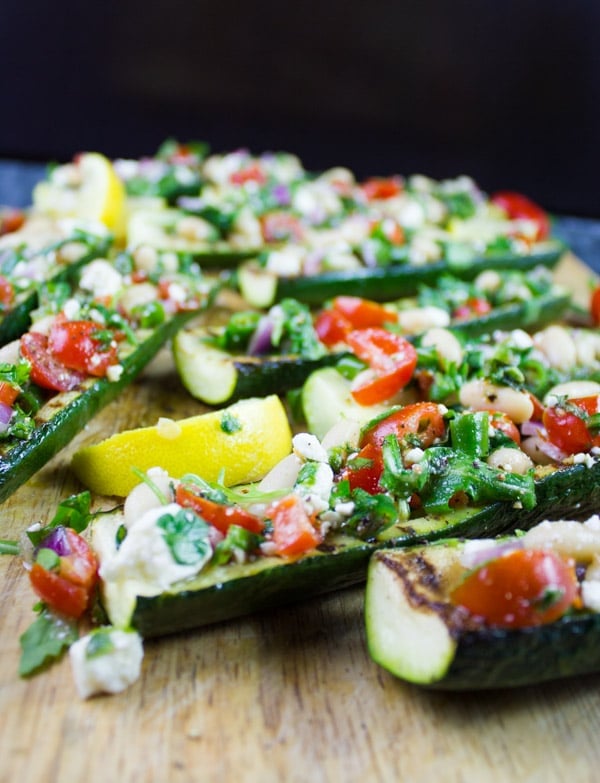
100,643
45,641
230,423
186,535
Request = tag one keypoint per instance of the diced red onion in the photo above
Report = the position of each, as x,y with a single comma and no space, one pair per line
260,343
368,254
475,553
191,203
531,427
313,263
57,541
6,413
281,194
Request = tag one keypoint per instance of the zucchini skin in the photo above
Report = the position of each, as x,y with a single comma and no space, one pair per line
24,459
17,320
575,490
385,283
497,658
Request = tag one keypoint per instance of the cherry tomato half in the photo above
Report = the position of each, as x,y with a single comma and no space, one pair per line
46,371
518,207
218,515
281,227
391,359
422,419
501,421
8,393
520,589
74,344
7,293
331,327
367,471
595,306
472,307
251,173
377,188
69,588
293,531
567,428
363,313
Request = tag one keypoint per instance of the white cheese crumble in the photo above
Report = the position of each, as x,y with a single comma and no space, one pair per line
315,493
101,278
107,672
144,554
167,428
114,372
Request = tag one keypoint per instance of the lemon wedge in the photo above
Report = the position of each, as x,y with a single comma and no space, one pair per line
241,443
88,189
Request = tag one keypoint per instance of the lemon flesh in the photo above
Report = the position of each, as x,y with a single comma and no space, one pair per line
95,192
240,444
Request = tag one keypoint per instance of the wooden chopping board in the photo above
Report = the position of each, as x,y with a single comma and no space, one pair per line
287,695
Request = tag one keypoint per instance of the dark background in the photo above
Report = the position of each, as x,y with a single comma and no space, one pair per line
508,92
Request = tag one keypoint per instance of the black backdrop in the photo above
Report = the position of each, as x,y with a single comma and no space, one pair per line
508,92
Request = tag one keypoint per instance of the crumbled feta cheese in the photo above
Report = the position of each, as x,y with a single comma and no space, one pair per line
590,594
315,488
584,459
288,262
520,339
419,319
110,670
308,447
114,372
167,428
71,309
101,278
413,456
177,293
145,556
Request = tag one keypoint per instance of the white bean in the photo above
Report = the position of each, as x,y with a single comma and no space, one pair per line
572,390
145,258
587,345
193,228
489,280
511,460
446,344
566,537
482,395
417,319
558,346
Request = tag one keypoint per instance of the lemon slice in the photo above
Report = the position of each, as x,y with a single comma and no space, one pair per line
241,443
88,189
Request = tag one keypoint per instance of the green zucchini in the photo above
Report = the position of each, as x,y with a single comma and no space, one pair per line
218,377
415,632
65,414
223,592
261,288
16,320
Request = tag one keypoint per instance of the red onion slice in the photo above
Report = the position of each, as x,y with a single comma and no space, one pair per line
57,541
6,413
260,342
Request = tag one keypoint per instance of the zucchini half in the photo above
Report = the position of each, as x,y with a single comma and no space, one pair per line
16,321
415,632
217,377
261,288
223,592
66,413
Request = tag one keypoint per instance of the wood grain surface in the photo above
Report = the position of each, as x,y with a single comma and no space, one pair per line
288,695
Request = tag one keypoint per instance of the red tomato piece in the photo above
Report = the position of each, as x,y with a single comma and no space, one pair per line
390,229
7,293
11,220
280,227
363,313
8,393
377,188
293,530
500,421
218,515
519,207
520,589
568,429
391,359
70,588
331,327
595,306
366,476
473,306
422,419
46,370
251,173
74,345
